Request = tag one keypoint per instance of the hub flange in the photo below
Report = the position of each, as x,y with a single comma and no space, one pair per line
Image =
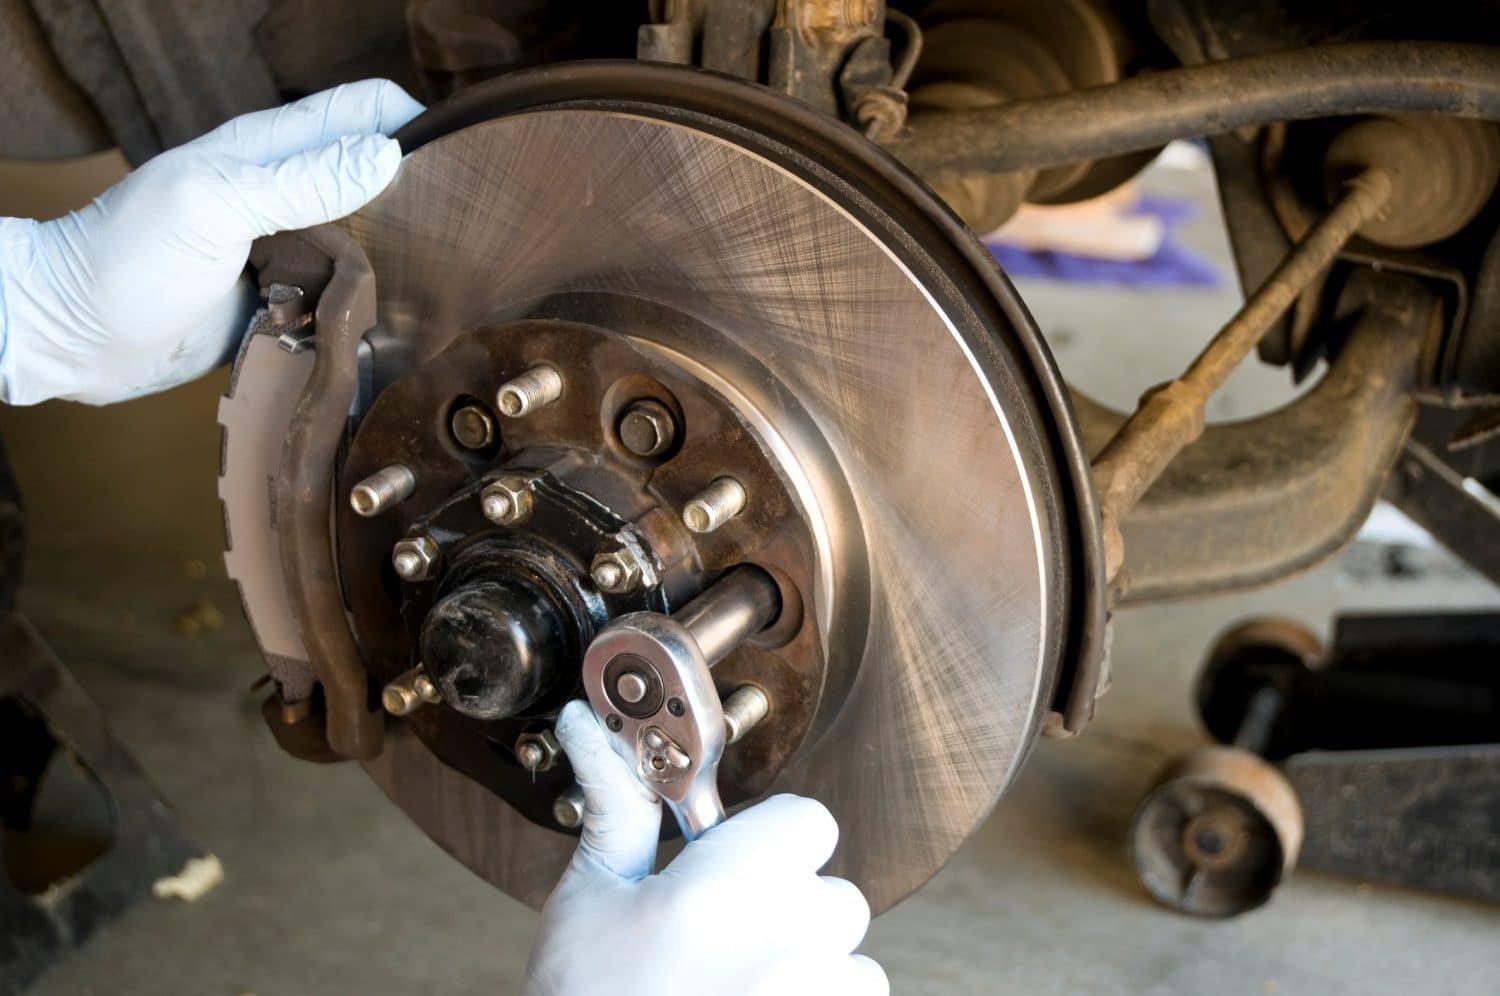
501,628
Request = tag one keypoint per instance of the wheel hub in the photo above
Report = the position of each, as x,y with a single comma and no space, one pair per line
628,342
588,529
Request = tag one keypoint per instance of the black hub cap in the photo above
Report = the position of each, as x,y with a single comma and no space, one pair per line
492,648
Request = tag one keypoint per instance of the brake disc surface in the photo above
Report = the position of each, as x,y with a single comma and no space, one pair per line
924,399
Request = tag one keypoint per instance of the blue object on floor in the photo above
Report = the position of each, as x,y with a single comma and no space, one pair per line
1172,265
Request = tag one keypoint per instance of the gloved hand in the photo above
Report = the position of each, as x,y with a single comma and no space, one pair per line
142,289
740,911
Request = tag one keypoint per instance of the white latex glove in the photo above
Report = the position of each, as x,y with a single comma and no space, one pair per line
741,911
142,289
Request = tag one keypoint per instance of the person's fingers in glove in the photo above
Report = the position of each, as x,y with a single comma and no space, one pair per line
742,910
370,107
854,974
789,833
306,188
826,915
141,290
621,817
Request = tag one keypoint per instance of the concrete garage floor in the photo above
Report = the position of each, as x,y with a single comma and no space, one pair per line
330,891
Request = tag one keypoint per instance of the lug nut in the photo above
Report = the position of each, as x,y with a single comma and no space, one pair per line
416,558
567,809
746,706
409,691
507,501
536,388
497,507
616,571
472,427
530,756
537,751
647,428
715,505
609,576
381,490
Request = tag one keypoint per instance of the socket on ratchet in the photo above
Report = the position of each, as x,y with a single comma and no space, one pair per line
647,677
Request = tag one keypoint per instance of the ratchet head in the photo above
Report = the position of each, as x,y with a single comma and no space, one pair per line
649,682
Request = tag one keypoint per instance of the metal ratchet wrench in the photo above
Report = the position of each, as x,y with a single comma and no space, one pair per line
647,677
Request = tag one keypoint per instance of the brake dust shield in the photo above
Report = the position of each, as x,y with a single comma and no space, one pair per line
782,240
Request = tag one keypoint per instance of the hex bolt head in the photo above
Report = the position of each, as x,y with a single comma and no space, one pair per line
537,751
416,558
647,428
387,487
507,501
714,505
616,571
472,427
536,388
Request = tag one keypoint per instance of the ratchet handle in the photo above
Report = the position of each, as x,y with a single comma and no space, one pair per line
647,677
649,683
697,813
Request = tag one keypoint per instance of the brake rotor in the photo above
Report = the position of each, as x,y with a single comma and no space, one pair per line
769,262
